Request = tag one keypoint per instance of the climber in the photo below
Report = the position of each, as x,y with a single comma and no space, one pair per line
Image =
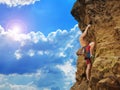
88,50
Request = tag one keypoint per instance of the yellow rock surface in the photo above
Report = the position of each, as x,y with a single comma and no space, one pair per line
105,18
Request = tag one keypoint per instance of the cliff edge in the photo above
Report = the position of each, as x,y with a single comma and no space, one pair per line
105,18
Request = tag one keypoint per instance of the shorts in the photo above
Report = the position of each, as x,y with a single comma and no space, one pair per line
88,61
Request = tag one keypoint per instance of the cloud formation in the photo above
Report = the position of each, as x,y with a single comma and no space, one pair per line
19,82
69,71
17,54
36,43
14,3
24,54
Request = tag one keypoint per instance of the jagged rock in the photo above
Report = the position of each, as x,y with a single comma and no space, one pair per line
105,18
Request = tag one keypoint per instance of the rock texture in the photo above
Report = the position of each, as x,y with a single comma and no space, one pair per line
105,18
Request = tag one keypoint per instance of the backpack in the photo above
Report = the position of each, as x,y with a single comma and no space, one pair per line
80,51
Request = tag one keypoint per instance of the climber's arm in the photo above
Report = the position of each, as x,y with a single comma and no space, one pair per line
85,32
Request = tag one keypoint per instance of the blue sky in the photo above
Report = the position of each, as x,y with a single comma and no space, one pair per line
43,15
39,39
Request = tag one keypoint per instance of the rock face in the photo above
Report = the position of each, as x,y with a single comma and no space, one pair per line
105,18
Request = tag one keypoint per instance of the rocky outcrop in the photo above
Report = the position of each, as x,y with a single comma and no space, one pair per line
105,18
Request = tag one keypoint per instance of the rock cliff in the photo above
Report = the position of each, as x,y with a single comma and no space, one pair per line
105,18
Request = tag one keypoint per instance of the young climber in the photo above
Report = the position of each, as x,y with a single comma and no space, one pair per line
88,48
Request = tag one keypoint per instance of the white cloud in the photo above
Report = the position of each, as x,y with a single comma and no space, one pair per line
19,82
69,70
17,54
47,52
14,3
46,89
59,42
59,45
8,86
1,29
74,37
61,54
36,37
52,36
40,52
31,52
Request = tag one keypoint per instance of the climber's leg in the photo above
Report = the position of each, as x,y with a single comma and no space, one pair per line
88,70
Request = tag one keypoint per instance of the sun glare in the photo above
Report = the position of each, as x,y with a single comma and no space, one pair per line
16,29
17,26
15,32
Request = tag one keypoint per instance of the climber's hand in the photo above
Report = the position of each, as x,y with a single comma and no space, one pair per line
89,25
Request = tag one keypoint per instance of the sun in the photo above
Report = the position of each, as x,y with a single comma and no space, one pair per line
15,32
16,29
16,26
